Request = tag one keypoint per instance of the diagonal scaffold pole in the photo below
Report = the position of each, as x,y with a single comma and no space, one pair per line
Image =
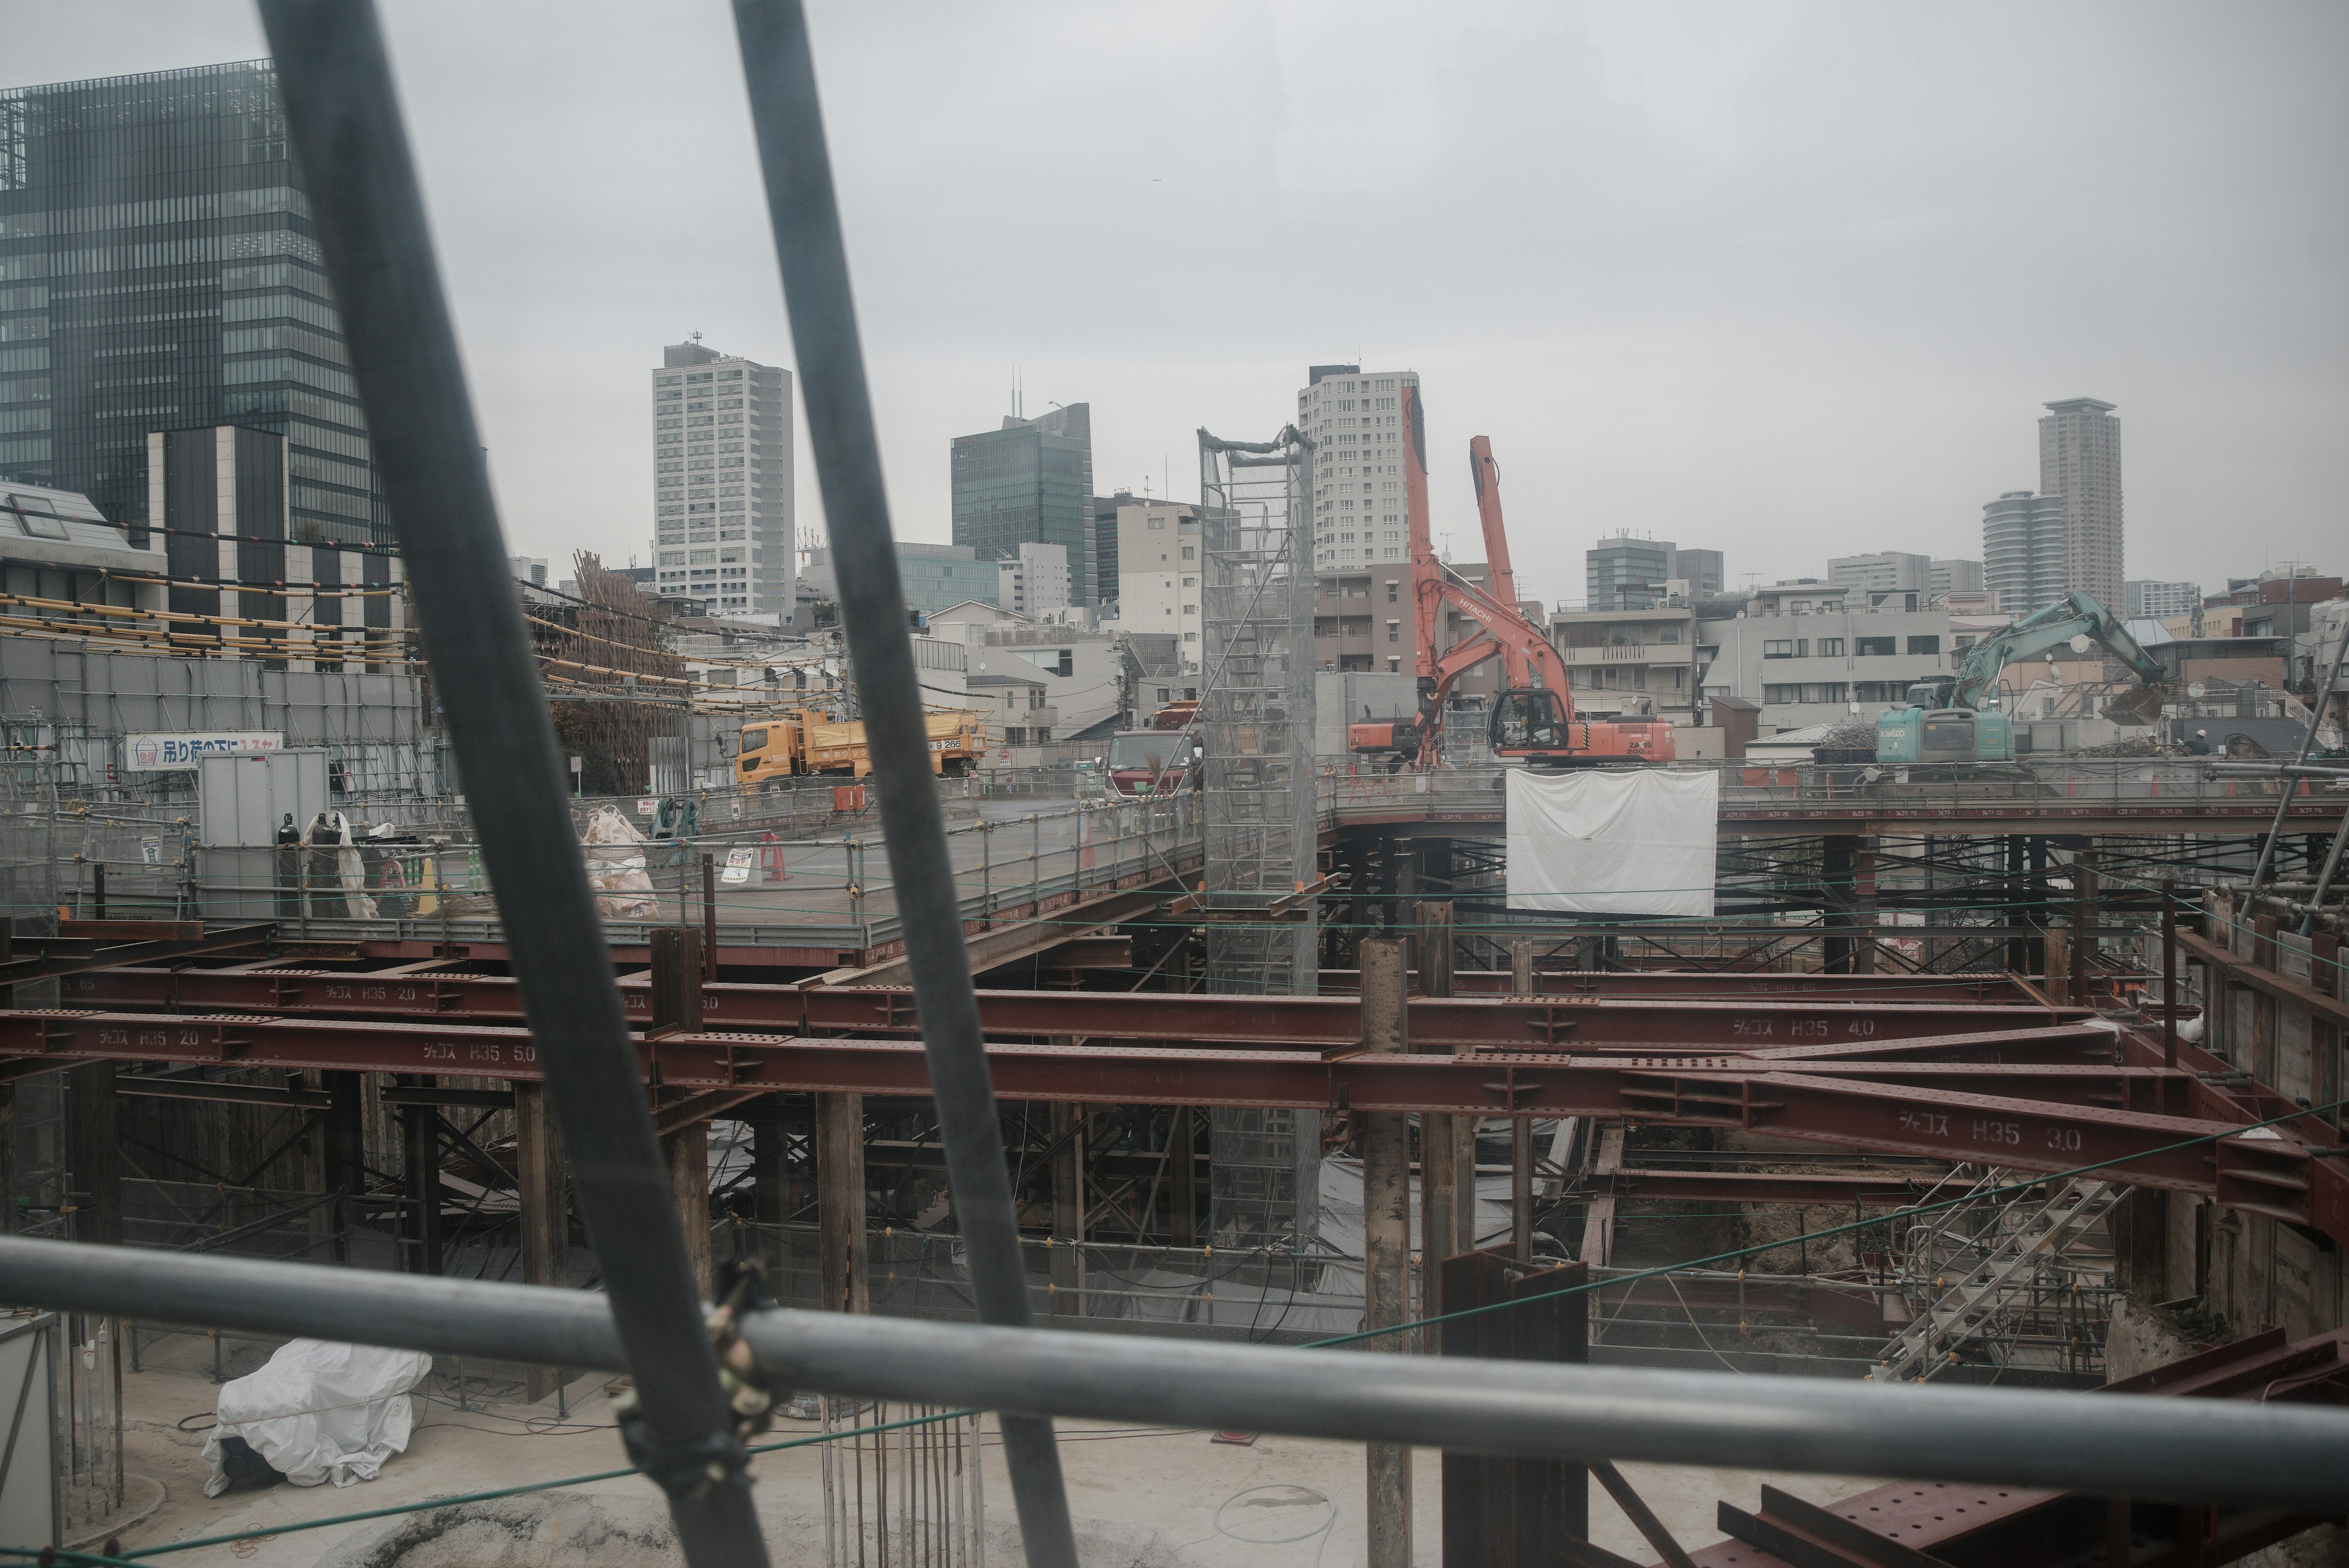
788,121
344,117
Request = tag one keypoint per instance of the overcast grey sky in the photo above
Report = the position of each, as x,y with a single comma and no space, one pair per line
1787,279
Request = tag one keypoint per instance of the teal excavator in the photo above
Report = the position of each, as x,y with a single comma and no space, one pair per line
1943,721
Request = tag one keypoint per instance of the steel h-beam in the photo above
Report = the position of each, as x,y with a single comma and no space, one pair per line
344,116
788,123
1307,1022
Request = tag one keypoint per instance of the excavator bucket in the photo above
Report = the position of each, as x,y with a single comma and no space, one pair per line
2141,706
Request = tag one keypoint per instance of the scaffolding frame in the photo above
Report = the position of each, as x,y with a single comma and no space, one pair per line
1259,808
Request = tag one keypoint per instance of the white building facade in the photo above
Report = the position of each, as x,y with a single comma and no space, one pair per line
1812,652
1158,572
2143,599
1356,423
1034,581
1881,570
722,526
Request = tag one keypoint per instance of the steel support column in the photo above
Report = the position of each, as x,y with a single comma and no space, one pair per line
94,1131
544,1177
1069,1125
1386,1243
842,1268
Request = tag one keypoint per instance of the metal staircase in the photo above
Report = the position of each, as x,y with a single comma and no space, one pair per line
1974,1278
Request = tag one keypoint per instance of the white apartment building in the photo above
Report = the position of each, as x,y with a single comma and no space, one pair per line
1035,581
723,481
1812,652
1158,572
1356,423
1881,570
2145,599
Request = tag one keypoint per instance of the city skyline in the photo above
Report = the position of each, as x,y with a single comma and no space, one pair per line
1822,316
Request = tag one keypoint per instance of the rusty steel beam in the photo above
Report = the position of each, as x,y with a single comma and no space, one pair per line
97,945
1876,1190
1309,1022
2051,1118
1671,985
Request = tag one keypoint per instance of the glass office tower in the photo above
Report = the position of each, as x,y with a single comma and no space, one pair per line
159,271
1031,483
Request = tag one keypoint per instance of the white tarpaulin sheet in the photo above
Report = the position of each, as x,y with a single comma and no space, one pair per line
1628,842
319,1412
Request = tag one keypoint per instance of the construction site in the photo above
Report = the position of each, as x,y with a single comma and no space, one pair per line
846,1153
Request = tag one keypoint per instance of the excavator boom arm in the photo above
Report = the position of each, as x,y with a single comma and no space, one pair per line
2076,613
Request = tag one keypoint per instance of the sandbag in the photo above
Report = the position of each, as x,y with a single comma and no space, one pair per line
319,1412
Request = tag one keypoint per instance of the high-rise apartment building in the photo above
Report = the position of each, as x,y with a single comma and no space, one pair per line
2080,460
2023,550
1954,576
1355,422
1031,483
160,270
1884,571
2143,599
723,481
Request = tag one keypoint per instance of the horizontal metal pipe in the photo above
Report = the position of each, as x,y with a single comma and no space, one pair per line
2178,1451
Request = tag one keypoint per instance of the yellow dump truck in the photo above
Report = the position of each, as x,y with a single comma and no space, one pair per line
800,742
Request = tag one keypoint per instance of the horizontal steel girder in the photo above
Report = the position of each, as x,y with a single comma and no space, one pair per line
1304,1022
1673,985
2037,1118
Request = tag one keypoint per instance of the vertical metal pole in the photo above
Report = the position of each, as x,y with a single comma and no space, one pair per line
1183,1177
708,917
789,126
1386,1242
1443,1139
1521,1129
347,133
2084,921
2170,972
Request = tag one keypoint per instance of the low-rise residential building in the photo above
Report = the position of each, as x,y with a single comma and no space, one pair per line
1363,622
1810,652
1064,683
1619,659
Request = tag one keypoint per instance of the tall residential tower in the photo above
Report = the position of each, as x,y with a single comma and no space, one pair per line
2080,460
1355,422
723,476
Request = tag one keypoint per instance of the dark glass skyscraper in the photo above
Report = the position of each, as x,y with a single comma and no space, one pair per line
159,271
1031,483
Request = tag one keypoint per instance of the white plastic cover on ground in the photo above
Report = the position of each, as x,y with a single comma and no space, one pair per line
319,1412
1629,842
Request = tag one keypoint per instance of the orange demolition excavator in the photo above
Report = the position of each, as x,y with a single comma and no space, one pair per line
1534,718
